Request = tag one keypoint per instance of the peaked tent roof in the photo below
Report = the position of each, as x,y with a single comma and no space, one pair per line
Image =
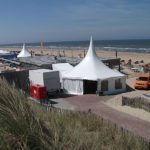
91,68
24,52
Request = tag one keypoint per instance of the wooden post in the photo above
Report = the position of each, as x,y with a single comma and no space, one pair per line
72,53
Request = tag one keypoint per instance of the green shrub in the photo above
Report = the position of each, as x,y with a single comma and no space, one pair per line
19,126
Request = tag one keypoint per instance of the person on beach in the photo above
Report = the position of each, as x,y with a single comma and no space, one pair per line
116,54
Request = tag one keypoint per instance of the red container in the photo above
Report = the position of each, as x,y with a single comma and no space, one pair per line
38,92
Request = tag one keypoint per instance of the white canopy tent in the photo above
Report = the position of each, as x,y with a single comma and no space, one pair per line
91,75
63,68
24,52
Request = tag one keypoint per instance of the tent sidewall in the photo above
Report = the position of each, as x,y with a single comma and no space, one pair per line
76,86
73,86
111,85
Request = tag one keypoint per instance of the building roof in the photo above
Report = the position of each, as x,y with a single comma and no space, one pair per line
4,52
37,60
92,68
62,67
41,71
24,52
49,60
7,55
145,75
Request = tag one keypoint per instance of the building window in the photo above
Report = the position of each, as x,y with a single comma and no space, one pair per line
104,85
118,84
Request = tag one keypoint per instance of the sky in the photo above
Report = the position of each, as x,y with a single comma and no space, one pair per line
71,20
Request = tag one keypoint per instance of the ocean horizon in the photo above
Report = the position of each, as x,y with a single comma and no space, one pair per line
138,45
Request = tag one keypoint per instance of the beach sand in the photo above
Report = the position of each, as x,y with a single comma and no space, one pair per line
116,102
75,52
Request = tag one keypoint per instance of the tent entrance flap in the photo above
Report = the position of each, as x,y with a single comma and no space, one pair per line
90,87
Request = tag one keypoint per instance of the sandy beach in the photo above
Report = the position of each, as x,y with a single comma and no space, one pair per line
75,52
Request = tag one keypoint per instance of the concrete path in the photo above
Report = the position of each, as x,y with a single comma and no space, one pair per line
62,104
97,106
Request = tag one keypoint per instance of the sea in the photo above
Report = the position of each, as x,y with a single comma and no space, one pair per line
140,45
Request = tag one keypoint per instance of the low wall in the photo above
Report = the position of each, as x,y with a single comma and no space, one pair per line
19,78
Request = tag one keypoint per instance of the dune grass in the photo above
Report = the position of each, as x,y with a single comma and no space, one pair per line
26,125
137,102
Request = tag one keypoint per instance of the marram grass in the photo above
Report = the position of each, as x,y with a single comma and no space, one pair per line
25,125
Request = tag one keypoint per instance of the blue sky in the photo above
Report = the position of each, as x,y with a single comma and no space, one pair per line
63,20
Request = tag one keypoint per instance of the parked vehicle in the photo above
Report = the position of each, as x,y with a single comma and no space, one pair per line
142,82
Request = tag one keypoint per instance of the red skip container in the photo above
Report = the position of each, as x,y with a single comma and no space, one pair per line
38,91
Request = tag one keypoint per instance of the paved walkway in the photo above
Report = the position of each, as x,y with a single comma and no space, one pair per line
95,103
62,104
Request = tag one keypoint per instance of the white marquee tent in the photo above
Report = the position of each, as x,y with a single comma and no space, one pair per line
91,76
63,68
24,52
